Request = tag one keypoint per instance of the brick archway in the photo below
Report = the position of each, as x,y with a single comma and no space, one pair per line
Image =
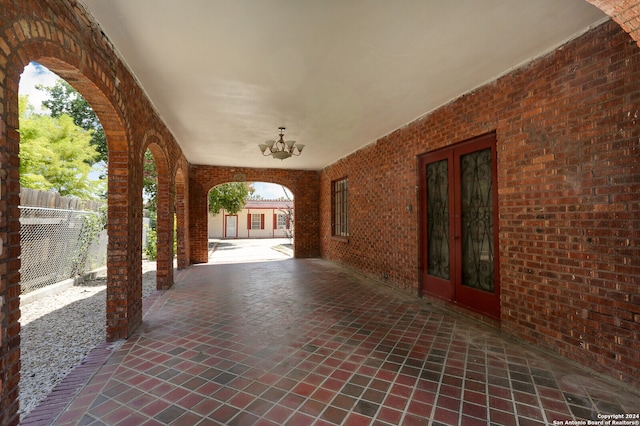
305,186
165,200
100,95
118,198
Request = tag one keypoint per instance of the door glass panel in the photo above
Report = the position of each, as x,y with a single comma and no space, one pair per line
477,220
438,219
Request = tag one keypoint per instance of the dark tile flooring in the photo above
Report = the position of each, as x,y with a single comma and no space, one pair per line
303,341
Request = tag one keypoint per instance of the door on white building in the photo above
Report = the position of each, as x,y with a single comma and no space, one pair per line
231,227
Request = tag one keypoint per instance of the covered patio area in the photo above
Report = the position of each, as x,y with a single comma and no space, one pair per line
304,341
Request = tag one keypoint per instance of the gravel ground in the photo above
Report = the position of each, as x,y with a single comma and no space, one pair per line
57,332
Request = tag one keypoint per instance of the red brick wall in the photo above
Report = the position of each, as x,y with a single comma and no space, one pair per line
568,141
303,184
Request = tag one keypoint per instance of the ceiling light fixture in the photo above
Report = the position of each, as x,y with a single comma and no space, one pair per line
281,149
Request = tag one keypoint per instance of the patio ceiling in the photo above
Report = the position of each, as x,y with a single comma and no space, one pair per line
225,74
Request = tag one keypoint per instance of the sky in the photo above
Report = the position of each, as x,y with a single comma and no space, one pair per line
270,191
37,74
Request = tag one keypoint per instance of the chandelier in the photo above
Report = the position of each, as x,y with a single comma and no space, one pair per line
281,149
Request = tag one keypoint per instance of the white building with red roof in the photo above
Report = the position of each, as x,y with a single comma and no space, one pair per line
258,219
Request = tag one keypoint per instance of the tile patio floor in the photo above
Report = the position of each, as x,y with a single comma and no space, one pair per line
303,341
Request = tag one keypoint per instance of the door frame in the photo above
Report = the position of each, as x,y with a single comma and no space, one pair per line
452,290
226,226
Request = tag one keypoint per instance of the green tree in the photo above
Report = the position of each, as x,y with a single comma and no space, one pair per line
229,196
64,99
55,154
150,181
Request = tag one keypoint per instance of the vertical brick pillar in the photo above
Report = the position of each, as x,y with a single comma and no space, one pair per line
124,253
182,220
9,268
198,222
164,229
306,215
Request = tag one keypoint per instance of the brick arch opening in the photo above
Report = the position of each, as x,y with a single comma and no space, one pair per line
165,210
118,199
305,186
226,217
274,212
62,71
66,66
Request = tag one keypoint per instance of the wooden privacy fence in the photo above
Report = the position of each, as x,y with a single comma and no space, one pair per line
53,200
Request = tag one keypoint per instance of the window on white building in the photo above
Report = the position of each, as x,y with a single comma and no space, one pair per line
257,221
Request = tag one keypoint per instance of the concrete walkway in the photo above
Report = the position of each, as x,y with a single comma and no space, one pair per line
249,250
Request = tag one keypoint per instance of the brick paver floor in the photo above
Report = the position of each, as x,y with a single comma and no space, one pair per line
303,341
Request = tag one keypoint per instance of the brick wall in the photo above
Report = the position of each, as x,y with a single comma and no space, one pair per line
568,141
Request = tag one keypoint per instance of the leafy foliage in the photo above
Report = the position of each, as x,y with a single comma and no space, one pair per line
64,99
151,249
150,181
55,154
229,196
92,225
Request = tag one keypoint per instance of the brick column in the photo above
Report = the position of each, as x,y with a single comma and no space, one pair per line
182,220
198,223
124,253
9,270
164,230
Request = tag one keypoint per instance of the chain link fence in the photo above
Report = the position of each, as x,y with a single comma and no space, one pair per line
58,244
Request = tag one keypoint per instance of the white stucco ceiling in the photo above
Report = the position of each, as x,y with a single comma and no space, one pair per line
338,74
